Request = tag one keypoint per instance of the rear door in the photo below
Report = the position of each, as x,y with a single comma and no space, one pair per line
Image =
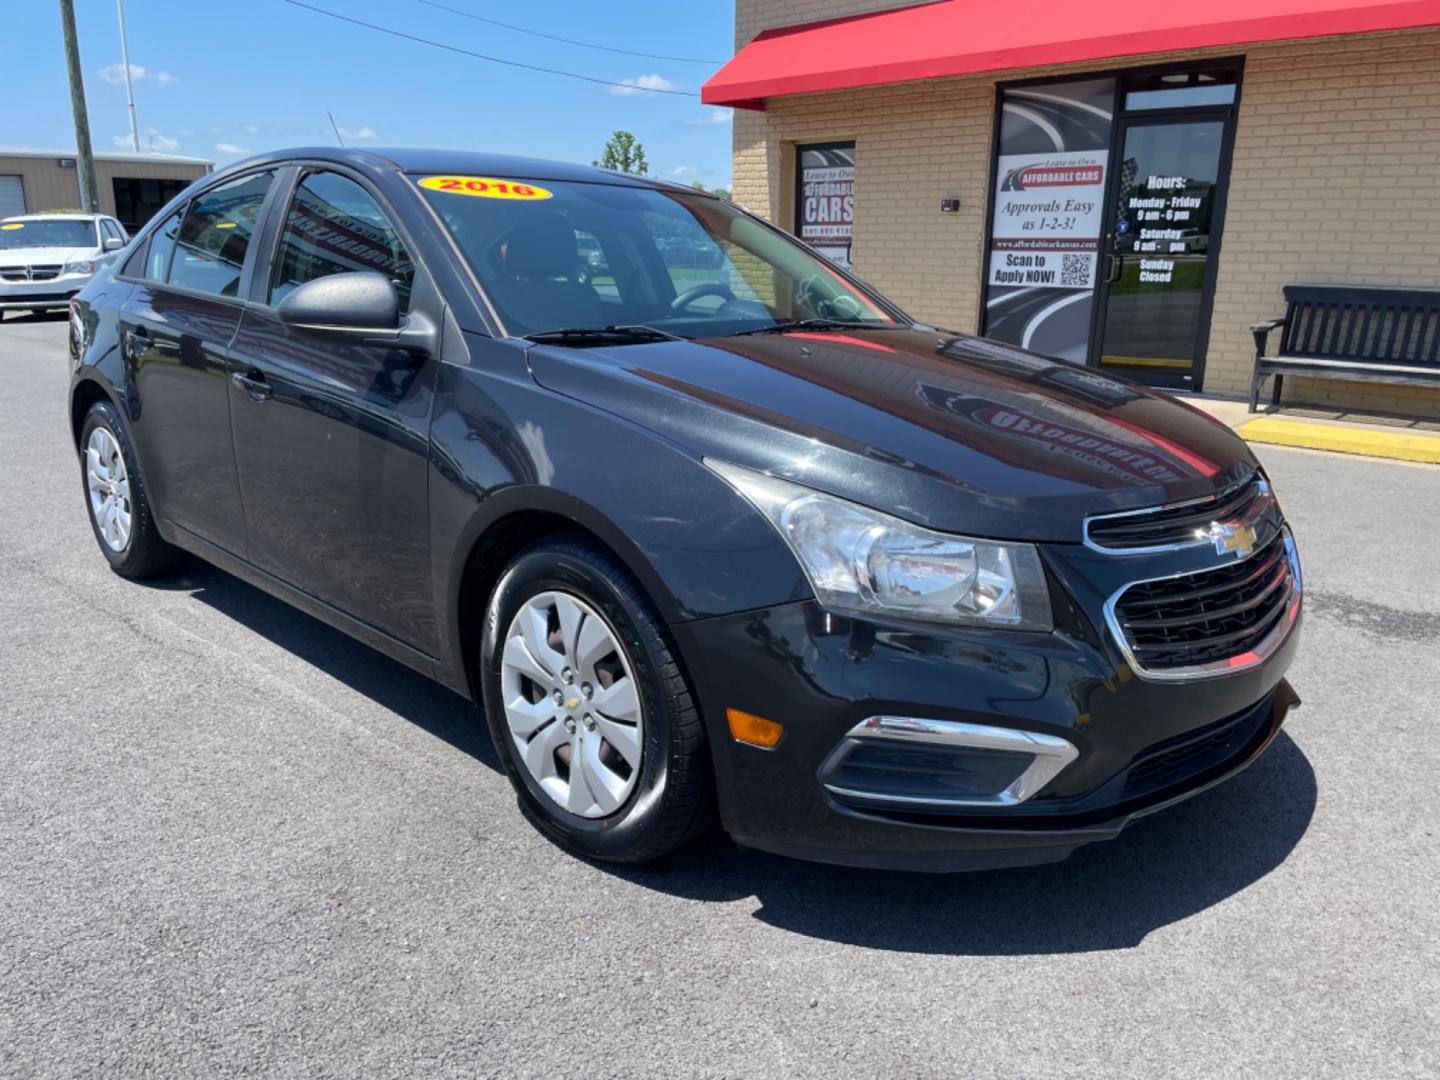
332,440
175,330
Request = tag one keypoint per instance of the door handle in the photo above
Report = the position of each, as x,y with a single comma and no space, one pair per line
253,383
1114,267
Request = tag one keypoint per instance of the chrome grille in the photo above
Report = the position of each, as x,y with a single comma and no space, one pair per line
1178,525
1211,621
45,272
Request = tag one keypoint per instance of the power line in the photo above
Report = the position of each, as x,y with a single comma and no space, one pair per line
630,86
567,41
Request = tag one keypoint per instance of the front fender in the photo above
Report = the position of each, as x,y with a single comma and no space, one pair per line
501,445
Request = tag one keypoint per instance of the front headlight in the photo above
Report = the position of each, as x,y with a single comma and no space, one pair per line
79,266
861,561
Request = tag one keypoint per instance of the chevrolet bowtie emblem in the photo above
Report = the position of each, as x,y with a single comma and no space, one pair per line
1232,536
570,703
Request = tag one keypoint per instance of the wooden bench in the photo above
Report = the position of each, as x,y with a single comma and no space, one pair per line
1351,332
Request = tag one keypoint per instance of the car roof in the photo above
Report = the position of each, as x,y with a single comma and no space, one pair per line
56,217
460,163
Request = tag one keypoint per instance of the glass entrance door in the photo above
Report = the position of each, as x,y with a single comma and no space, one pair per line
1157,275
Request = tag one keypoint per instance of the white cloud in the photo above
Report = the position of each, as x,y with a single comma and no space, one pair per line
229,148
685,172
151,141
712,116
642,83
361,133
115,74
252,129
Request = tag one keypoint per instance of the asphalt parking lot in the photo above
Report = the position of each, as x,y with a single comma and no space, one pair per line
235,842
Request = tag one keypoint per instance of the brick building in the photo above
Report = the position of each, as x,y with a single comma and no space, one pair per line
1123,185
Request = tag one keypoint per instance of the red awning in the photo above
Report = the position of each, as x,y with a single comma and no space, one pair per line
962,37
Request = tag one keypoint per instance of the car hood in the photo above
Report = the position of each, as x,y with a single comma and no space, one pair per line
950,431
44,255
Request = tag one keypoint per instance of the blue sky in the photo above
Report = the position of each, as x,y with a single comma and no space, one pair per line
221,80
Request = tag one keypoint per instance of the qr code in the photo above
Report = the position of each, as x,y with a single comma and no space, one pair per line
1074,271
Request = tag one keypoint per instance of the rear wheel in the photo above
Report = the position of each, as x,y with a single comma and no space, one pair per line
588,709
115,496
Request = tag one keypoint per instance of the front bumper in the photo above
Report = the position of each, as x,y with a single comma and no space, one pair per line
54,293
1142,745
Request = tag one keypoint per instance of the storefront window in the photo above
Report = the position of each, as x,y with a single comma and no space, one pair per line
1180,90
825,198
1108,199
1054,152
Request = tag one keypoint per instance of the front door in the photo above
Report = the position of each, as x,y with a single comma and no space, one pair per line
1159,265
332,439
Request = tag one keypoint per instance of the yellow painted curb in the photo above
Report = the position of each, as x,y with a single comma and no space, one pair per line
1343,440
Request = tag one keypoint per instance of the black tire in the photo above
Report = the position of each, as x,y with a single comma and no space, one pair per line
147,554
673,800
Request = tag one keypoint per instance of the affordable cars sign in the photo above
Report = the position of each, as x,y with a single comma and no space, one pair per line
1050,175
825,199
1047,219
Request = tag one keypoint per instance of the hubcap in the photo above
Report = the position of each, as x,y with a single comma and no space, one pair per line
580,743
109,486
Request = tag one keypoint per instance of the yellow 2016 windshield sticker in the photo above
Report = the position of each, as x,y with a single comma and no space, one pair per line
12,226
485,187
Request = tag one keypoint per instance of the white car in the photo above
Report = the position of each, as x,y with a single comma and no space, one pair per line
45,259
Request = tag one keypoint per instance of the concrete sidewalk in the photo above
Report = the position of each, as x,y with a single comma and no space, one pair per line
1399,438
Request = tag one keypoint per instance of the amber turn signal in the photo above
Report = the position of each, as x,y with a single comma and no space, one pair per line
753,730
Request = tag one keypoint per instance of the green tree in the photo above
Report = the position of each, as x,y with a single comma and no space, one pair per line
623,153
722,193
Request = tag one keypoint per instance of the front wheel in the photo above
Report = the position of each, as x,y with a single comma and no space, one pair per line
588,708
115,496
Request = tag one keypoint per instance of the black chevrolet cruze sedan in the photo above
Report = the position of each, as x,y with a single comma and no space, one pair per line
705,523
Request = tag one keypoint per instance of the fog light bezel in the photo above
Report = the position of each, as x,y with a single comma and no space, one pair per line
1050,756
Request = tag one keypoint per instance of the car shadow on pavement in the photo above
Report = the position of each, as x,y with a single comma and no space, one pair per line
1109,895
409,694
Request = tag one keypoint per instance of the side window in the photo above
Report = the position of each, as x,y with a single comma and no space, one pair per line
162,245
112,230
135,264
215,235
333,226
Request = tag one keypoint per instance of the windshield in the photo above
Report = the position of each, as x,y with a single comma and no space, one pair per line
59,232
556,255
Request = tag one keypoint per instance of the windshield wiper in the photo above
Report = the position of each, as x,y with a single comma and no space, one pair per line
601,335
818,325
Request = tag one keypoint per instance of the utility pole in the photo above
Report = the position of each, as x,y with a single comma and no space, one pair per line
129,86
84,157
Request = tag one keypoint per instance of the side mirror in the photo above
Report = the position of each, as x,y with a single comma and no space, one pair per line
113,243
357,308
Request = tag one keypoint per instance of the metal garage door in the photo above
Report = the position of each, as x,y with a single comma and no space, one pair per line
12,196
